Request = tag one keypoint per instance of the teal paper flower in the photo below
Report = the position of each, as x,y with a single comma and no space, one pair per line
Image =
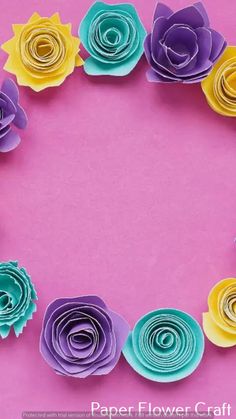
16,298
165,345
113,34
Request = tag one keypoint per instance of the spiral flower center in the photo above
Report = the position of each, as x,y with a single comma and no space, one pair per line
42,48
228,305
225,85
166,343
5,301
112,36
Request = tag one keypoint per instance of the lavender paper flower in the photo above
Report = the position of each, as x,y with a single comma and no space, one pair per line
81,336
11,113
182,47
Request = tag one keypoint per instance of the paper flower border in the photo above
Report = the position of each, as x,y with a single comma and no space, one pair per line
181,47
42,53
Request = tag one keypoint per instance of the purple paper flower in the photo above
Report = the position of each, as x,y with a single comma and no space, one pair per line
10,113
182,47
81,336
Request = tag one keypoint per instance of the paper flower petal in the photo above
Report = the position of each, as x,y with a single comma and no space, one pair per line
81,336
216,334
165,345
219,87
113,35
16,298
9,142
42,52
181,46
219,323
11,113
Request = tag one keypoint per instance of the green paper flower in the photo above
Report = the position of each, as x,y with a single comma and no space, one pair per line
113,35
165,345
16,298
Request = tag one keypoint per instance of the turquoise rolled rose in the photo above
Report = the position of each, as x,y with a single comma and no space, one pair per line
165,345
17,295
113,35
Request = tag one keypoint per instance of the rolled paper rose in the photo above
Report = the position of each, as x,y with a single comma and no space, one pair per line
113,35
11,113
219,323
81,336
220,87
165,345
182,47
42,52
17,295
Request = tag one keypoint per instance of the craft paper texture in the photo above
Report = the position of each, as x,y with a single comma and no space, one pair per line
124,189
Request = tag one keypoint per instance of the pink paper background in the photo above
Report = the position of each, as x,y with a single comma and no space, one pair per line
125,189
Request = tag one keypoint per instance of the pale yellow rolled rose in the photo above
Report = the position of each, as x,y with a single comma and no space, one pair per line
42,52
220,86
219,323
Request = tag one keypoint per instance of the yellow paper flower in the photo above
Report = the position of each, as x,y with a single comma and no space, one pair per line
42,52
219,323
220,86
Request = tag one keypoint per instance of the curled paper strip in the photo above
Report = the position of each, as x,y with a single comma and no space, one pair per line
219,323
16,298
42,52
165,345
219,87
81,336
11,113
113,35
182,47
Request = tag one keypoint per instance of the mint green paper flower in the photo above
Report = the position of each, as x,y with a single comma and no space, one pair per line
165,345
16,298
113,34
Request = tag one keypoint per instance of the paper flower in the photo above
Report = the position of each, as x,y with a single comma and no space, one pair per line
165,345
219,323
81,336
16,298
113,35
42,52
219,87
11,113
182,47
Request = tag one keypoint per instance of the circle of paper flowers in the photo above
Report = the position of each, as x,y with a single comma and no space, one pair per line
17,295
219,323
219,87
165,345
42,52
113,35
11,113
81,336
182,47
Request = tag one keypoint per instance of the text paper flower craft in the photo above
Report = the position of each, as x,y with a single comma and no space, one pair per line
42,52
220,86
113,35
11,113
165,345
219,323
17,295
182,47
81,336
